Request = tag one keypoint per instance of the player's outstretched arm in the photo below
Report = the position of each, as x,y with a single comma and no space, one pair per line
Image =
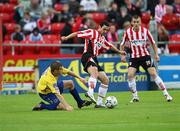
77,76
121,52
72,35
63,105
156,56
123,57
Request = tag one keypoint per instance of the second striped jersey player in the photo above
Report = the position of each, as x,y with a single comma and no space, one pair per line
137,37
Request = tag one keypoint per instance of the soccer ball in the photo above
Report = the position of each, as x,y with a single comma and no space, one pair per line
111,102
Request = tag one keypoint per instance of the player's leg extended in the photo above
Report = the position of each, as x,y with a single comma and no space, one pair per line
68,84
103,88
93,72
159,82
132,83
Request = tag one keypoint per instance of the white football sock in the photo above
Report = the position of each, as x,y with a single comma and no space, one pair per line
102,93
135,94
132,86
92,84
161,85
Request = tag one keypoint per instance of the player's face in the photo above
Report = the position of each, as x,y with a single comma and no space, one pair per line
136,23
56,73
60,70
104,29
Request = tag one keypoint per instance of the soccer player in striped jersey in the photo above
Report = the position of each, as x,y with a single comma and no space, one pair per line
95,44
138,36
50,87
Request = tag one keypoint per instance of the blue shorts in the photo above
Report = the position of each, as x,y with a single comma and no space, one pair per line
50,98
60,85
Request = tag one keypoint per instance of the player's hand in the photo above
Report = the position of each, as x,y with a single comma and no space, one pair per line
83,80
122,52
123,58
69,108
156,57
63,38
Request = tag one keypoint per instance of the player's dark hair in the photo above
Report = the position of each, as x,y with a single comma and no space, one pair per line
135,16
55,66
84,20
104,23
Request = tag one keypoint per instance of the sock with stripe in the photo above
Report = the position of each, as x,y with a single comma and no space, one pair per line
161,85
92,84
132,87
102,93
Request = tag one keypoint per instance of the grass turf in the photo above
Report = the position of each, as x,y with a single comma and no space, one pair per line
152,113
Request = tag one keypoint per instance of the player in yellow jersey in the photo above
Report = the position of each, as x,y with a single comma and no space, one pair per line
50,87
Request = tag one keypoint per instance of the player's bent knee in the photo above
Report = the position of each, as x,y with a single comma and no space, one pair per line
95,74
153,75
61,106
93,71
69,108
71,84
105,80
130,76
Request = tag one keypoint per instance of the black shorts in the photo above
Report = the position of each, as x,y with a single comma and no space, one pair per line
144,61
89,60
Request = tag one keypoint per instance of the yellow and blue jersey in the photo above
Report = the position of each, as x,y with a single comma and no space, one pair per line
48,82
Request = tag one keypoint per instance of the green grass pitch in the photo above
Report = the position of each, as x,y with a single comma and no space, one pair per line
152,113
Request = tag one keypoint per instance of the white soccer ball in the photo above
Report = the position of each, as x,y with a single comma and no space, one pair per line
111,102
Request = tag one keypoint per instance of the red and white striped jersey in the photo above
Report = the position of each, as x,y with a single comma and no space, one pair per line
95,43
138,41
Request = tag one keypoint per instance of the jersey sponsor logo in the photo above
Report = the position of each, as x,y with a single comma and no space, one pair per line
138,42
100,43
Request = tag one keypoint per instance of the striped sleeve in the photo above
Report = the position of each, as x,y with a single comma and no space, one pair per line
85,34
150,37
107,45
123,40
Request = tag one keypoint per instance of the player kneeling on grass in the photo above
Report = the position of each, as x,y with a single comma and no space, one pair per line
50,88
137,36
